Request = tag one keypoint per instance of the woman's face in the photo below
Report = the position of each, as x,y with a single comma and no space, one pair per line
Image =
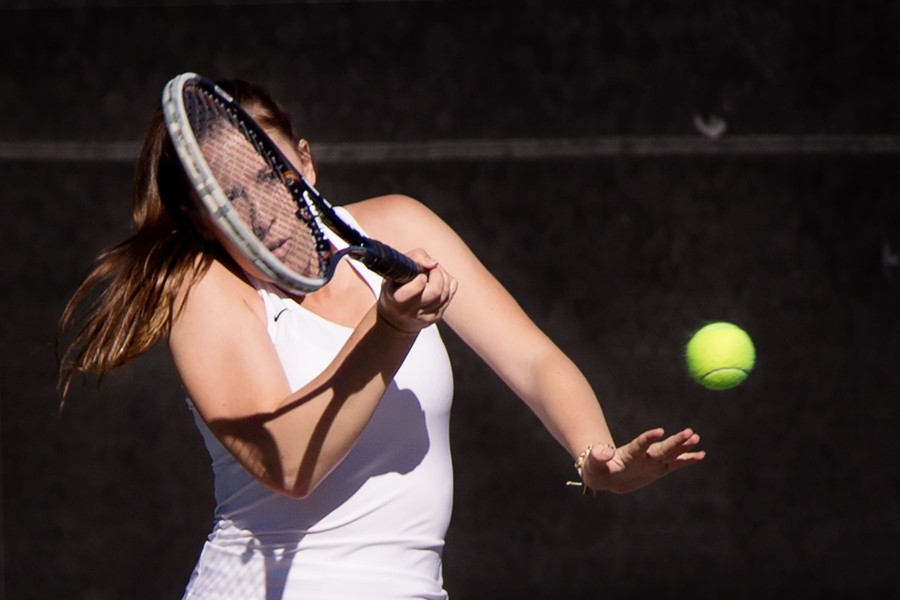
261,200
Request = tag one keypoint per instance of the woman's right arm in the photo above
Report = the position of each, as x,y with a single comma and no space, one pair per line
230,369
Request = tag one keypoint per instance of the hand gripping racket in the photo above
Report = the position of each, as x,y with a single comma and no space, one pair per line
257,198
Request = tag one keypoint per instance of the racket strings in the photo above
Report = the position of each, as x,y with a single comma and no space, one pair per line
257,184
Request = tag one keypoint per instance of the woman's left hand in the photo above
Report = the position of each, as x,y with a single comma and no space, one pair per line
641,461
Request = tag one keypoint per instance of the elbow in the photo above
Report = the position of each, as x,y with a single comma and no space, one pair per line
283,469
288,489
256,450
297,488
296,492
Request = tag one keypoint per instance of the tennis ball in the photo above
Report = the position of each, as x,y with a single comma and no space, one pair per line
720,356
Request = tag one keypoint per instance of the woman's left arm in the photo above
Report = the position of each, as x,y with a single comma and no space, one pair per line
488,319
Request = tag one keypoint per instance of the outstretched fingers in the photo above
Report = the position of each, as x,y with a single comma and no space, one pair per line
675,451
646,458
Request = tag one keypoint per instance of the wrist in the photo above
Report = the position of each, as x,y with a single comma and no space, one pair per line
389,326
581,463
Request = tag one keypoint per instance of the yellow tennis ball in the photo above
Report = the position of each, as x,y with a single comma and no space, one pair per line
720,356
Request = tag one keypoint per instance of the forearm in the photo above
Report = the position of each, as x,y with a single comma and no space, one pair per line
294,446
290,440
559,394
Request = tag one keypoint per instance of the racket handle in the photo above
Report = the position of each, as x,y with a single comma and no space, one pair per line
389,263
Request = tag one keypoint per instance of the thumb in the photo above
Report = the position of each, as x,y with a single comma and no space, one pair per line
599,456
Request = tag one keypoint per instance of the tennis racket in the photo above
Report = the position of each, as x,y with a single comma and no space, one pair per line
257,198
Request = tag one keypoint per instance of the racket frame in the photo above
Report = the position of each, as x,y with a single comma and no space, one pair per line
377,256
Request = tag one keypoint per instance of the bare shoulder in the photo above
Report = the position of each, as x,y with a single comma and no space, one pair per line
221,347
398,220
383,210
218,291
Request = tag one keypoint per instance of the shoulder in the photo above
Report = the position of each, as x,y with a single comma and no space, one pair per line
399,220
221,347
220,292
384,212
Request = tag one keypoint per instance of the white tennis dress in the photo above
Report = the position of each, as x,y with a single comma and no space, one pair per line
374,528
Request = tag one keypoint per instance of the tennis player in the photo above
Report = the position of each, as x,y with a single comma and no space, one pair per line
326,414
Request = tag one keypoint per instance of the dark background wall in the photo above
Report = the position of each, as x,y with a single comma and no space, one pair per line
619,246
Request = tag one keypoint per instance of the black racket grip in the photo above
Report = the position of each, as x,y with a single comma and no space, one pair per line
389,263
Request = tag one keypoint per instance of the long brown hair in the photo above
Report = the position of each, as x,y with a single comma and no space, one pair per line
136,284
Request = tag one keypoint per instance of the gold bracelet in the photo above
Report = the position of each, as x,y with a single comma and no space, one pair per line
579,466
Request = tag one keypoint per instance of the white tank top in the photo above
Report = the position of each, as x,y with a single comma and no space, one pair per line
374,528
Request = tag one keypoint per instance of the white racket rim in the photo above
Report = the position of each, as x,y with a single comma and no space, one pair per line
213,197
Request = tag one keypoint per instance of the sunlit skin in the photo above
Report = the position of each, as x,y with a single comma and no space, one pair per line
291,440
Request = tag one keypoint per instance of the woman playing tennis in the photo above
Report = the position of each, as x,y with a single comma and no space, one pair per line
326,414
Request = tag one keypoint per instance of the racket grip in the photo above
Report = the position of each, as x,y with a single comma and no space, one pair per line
389,263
